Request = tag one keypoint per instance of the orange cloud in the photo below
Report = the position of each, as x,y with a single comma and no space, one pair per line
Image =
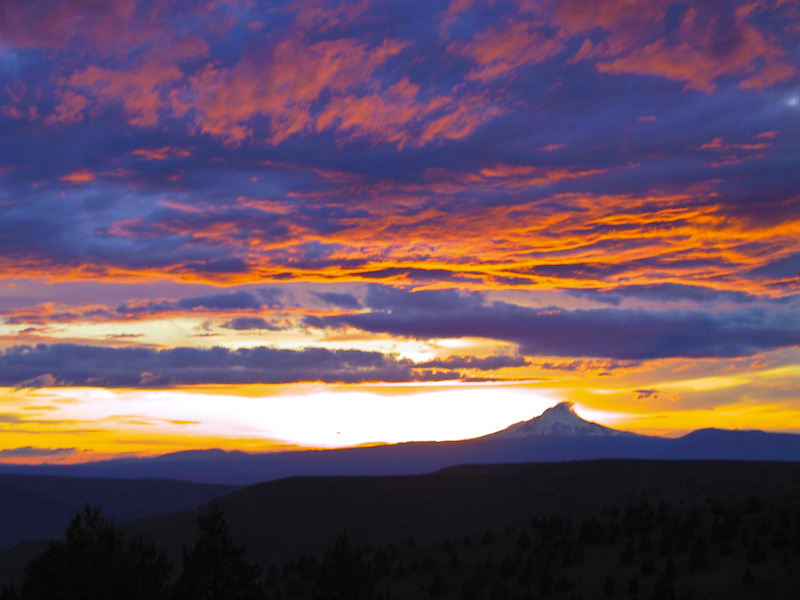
143,91
138,91
58,22
298,75
161,153
710,42
707,45
284,89
497,51
565,241
82,176
69,110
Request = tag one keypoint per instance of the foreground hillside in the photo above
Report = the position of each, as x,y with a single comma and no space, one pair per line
595,529
35,508
38,507
279,519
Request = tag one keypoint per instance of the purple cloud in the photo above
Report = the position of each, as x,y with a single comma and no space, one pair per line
144,367
552,331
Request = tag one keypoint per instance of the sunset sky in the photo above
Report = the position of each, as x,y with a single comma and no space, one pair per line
262,225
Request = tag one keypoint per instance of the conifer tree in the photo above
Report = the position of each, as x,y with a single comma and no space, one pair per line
215,569
94,562
345,575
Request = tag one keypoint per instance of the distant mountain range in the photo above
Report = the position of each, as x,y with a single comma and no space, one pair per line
559,434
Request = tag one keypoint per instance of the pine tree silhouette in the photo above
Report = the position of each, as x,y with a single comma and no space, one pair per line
345,575
94,562
215,568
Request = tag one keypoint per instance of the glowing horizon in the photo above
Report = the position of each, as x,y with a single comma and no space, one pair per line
152,422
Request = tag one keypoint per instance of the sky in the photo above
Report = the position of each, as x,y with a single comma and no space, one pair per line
272,225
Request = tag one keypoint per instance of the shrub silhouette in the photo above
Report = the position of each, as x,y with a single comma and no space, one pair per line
94,562
215,568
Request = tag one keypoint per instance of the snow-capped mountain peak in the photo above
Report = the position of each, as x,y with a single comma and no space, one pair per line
559,420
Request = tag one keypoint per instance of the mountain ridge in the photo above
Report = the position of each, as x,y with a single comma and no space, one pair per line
559,434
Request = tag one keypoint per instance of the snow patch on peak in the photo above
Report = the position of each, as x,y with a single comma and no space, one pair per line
559,420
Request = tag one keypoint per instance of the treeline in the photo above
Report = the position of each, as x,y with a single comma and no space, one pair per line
636,552
94,561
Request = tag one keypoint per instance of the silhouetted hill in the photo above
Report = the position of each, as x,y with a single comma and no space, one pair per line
283,518
710,525
37,508
737,445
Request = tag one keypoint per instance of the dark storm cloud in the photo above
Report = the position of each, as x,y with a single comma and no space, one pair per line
76,365
552,331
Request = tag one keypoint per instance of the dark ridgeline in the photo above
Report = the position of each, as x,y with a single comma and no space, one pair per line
36,507
596,529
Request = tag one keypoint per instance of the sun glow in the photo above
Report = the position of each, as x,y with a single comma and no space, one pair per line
319,416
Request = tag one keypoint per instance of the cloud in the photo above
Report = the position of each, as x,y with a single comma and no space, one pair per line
647,394
346,301
601,333
664,292
136,367
57,23
391,299
34,452
488,363
779,268
249,323
696,44
40,381
233,301
502,49
239,299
